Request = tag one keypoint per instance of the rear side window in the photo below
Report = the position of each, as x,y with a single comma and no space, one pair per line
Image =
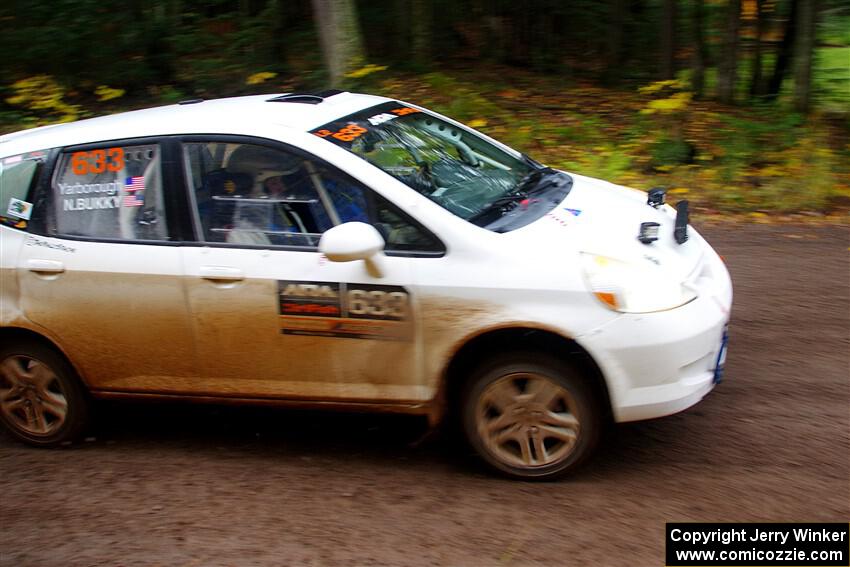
113,192
18,176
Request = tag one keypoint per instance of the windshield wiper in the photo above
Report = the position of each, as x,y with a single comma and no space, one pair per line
499,205
528,184
508,199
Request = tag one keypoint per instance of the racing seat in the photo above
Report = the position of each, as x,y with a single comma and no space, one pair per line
217,198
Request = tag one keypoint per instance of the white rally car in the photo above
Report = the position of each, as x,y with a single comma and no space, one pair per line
345,251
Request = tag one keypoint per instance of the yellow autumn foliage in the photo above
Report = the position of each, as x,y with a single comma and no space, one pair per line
105,93
259,78
364,71
41,94
658,86
675,103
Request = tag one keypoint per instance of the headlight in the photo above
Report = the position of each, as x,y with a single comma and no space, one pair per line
632,288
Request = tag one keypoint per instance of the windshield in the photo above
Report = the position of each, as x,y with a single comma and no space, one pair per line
462,172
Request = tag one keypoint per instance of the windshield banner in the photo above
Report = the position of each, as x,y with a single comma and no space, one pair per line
345,130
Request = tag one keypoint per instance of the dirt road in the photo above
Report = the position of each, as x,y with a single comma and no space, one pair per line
198,486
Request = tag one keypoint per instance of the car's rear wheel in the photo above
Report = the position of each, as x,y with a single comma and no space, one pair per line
530,416
41,399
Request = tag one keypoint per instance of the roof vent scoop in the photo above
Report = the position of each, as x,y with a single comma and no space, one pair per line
306,98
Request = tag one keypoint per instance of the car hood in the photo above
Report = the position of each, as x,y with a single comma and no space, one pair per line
601,218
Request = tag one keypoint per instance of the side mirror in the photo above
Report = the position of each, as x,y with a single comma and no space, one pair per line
354,241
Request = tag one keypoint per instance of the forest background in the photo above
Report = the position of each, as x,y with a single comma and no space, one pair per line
740,106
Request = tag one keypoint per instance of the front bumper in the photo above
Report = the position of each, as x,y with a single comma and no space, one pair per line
657,364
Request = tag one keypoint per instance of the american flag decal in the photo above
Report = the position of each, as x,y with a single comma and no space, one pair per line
135,188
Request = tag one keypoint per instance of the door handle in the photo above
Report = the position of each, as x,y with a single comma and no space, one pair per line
222,274
45,266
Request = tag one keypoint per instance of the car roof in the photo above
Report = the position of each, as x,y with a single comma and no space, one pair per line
225,115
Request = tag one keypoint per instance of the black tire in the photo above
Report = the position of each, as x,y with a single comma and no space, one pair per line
549,429
36,380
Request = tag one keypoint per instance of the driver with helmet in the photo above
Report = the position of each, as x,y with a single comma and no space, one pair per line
286,180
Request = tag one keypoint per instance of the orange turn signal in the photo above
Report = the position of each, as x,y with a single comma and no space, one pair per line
607,298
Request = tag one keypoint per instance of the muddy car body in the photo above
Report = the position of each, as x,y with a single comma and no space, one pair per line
351,251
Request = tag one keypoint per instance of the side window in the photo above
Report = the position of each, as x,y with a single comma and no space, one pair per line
113,192
18,175
252,194
401,232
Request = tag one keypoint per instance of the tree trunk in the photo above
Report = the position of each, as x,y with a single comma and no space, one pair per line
783,57
278,13
727,72
804,54
668,40
339,34
156,25
614,59
422,15
400,33
757,81
700,49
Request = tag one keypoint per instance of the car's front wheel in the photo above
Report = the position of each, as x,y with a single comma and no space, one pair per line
530,416
41,400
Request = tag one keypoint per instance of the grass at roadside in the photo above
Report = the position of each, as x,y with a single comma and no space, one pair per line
760,161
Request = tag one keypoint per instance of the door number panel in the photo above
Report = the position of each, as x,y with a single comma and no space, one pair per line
339,309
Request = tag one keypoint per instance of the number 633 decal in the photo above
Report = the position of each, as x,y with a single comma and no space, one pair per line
340,299
97,161
377,302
